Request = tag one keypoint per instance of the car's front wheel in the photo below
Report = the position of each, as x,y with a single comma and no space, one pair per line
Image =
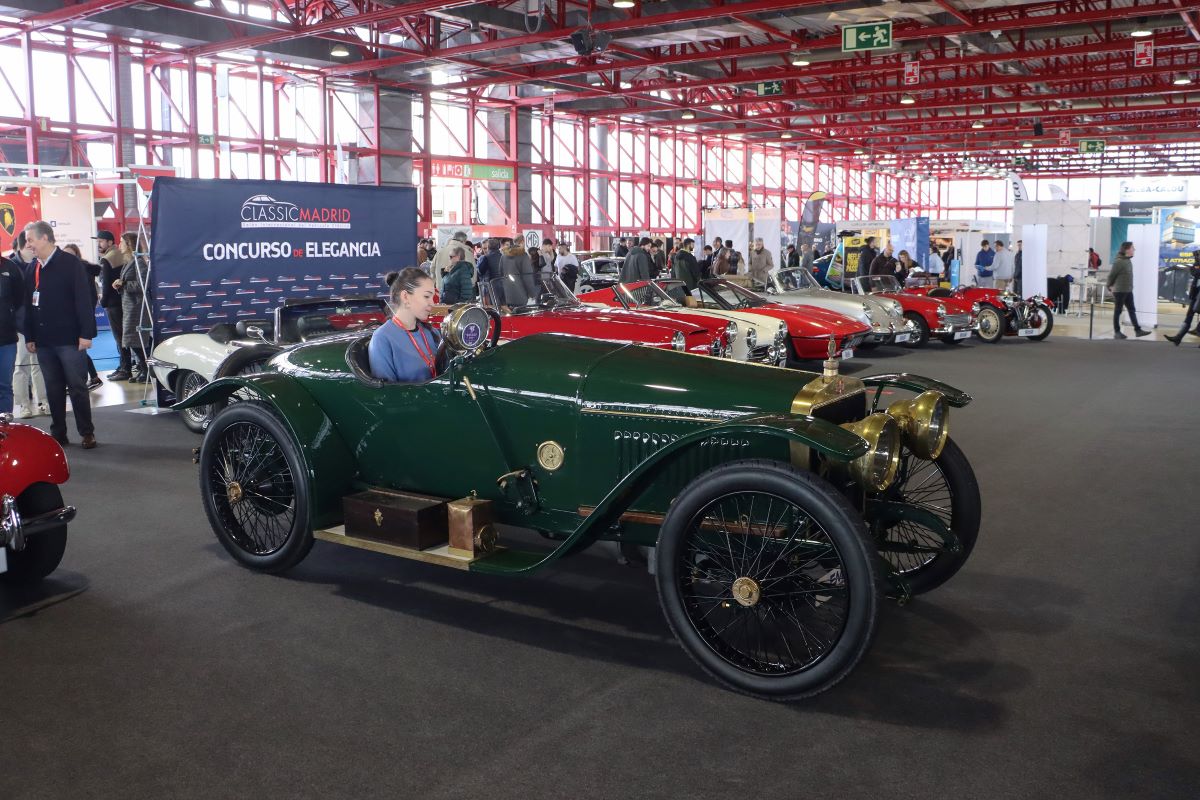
1047,324
197,418
945,488
44,551
920,335
991,324
254,488
768,579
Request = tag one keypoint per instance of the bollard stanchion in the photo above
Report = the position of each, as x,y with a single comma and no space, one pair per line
1091,318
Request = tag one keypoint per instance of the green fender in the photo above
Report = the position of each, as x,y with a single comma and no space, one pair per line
918,383
833,441
330,463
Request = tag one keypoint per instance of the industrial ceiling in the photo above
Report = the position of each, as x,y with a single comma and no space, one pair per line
999,83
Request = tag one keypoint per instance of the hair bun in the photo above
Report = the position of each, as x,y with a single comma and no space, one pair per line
391,277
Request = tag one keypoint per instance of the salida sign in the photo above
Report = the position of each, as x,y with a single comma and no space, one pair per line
229,250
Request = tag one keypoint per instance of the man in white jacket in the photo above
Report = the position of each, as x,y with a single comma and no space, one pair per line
1003,267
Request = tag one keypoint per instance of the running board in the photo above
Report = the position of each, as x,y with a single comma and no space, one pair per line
502,560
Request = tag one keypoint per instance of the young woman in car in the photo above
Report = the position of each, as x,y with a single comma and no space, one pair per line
404,349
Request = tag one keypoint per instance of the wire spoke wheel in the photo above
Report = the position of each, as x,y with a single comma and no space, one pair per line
197,418
767,578
762,583
253,486
946,488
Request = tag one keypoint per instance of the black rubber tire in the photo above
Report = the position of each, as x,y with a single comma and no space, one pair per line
922,335
43,551
847,532
298,539
196,419
965,513
1049,325
993,331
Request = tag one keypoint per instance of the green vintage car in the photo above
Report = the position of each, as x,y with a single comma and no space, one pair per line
781,507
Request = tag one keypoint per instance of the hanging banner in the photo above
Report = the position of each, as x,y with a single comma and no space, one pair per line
1139,196
231,249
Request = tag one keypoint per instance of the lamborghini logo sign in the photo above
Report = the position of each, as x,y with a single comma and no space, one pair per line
8,218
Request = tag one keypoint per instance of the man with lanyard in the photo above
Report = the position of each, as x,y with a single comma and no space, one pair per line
59,327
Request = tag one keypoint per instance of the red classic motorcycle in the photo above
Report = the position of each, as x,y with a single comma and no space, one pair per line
33,519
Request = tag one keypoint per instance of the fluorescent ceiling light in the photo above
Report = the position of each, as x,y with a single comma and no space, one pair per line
799,60
977,124
1140,32
907,99
688,114
1182,80
339,51
624,3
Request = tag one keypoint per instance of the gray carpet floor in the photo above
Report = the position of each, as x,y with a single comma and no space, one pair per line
1062,662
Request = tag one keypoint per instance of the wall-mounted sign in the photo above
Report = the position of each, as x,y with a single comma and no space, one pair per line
871,36
1139,196
205,138
912,73
1091,145
1143,53
765,88
472,172
1064,137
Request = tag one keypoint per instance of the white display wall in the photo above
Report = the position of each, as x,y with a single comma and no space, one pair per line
734,223
1145,240
1068,233
69,212
1034,250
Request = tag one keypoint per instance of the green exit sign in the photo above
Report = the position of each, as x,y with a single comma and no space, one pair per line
206,138
871,36
769,87
1091,145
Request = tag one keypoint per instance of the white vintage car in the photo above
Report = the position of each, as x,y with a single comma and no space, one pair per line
885,316
753,337
185,363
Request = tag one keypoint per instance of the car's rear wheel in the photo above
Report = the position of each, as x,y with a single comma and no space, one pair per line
991,324
197,418
920,336
43,551
254,489
768,579
946,488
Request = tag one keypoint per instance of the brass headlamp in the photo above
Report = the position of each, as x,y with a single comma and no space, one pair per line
925,422
876,469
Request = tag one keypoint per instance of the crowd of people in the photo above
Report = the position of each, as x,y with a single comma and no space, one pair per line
48,300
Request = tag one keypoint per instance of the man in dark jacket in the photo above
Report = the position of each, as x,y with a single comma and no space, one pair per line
866,256
885,263
621,250
637,265
685,267
12,297
111,262
487,268
60,327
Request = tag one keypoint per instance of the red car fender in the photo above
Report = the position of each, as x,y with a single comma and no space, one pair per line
28,456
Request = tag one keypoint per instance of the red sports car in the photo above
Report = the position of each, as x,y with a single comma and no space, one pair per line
809,327
1000,313
558,311
951,319
33,519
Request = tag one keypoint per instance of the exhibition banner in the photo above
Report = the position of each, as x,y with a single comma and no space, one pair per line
18,210
1139,196
227,250
70,214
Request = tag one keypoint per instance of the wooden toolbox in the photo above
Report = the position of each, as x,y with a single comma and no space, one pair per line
409,520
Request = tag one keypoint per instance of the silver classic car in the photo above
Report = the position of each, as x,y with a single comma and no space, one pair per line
797,286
